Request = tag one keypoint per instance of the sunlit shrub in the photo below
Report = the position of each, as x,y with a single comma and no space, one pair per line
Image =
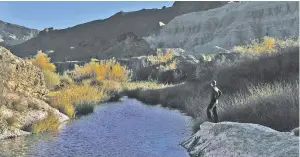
66,78
42,61
104,70
51,122
51,79
267,46
65,98
161,57
142,84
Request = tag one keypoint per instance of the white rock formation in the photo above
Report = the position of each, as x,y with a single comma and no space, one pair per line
228,26
230,139
11,34
161,24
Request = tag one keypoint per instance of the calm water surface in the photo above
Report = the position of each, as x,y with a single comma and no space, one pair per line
122,129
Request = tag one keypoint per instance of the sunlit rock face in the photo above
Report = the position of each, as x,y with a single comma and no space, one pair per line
227,26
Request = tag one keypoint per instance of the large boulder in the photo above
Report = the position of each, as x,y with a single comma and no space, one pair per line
241,140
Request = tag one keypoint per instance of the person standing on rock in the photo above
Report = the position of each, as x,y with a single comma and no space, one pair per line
215,95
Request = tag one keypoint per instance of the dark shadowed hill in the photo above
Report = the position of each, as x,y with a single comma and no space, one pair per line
94,38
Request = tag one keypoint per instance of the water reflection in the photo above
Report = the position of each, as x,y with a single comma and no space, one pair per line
127,129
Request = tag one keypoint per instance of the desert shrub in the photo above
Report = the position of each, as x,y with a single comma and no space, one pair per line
267,46
51,79
65,78
84,109
170,66
273,105
42,61
104,70
161,57
143,84
290,42
49,123
207,57
111,86
65,98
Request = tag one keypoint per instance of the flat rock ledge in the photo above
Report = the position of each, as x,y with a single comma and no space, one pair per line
230,139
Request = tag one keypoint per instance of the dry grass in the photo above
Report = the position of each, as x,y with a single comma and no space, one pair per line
100,80
269,45
268,83
51,122
143,84
65,98
275,106
290,42
65,78
207,57
84,109
51,79
170,66
161,57
103,70
42,61
111,86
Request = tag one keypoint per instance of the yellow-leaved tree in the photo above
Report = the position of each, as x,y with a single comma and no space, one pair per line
42,61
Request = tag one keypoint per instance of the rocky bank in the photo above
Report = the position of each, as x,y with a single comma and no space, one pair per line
241,140
22,95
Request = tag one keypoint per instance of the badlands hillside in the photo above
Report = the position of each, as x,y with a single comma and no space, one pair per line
228,26
95,39
11,34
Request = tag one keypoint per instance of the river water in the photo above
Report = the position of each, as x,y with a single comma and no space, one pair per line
122,129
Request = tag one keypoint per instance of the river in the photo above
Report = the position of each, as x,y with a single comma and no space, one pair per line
121,129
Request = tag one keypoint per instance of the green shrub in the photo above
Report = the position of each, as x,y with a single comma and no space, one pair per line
84,109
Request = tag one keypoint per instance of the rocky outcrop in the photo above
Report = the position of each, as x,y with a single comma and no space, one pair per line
91,39
227,26
11,34
240,140
125,46
22,96
21,77
143,69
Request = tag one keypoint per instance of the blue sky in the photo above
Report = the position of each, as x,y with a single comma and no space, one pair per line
40,15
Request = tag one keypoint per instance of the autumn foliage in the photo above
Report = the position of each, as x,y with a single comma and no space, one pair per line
266,46
104,70
162,57
42,61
